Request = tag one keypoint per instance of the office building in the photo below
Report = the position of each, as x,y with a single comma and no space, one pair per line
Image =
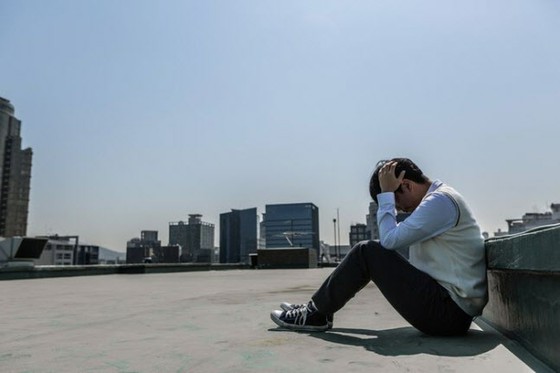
67,250
143,249
371,221
87,254
15,174
167,254
358,232
150,237
292,225
262,234
195,238
238,235
57,252
148,249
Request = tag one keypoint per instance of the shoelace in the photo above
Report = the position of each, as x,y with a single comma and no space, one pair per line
296,306
298,314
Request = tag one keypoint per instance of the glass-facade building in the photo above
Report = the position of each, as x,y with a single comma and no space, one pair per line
238,235
292,225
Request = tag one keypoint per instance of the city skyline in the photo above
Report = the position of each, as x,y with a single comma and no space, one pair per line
140,113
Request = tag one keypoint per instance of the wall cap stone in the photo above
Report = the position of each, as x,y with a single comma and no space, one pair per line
537,249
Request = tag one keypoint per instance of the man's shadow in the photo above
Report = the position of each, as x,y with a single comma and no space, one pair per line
409,341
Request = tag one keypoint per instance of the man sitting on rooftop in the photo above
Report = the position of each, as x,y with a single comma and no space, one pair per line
443,284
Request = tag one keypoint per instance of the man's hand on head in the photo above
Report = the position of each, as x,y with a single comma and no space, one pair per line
388,182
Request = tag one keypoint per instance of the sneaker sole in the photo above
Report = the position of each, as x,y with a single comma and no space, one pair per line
302,328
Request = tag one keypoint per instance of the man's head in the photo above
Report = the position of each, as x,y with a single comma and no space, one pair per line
412,189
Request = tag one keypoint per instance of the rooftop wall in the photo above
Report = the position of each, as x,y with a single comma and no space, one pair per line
19,273
524,290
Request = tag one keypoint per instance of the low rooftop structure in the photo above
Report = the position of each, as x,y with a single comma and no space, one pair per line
531,220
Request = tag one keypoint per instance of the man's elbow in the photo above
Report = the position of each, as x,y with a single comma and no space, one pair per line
388,243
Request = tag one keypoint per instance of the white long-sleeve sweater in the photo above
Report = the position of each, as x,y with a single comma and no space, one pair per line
445,242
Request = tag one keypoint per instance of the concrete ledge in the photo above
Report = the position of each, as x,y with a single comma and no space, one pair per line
93,270
537,250
524,290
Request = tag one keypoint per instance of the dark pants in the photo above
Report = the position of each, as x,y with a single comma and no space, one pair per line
421,300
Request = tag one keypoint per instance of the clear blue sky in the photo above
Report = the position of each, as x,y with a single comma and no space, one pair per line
141,112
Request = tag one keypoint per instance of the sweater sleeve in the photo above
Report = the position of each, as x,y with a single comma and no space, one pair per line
434,215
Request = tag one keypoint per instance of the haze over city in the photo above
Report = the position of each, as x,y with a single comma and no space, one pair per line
140,113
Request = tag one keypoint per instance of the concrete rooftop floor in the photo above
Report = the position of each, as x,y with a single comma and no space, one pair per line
219,321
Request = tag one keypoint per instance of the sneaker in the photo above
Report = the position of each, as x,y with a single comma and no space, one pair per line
291,306
306,318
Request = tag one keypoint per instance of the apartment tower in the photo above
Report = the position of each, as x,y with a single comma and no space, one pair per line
15,174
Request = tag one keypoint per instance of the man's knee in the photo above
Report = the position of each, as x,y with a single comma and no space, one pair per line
366,248
368,245
373,253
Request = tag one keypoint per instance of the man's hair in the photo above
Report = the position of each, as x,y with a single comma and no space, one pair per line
412,172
